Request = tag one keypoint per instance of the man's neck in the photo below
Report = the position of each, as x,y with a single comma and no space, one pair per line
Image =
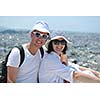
32,49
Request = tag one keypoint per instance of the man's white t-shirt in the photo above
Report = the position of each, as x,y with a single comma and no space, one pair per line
29,69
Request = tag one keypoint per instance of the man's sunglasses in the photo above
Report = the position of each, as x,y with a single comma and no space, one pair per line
57,42
43,36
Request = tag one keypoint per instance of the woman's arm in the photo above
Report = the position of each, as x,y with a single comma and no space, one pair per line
93,71
79,76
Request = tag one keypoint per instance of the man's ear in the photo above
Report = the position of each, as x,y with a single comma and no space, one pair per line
32,34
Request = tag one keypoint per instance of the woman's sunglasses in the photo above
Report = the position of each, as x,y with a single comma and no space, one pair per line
57,42
43,36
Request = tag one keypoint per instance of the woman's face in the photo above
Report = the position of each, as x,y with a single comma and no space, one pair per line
58,45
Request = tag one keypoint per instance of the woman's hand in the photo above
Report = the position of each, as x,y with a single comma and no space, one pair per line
64,59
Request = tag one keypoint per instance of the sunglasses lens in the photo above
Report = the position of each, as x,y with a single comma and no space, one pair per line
63,42
56,42
37,34
44,36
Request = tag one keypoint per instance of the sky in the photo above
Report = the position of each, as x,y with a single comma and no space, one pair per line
66,23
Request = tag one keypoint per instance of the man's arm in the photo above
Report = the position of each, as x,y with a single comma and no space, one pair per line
11,74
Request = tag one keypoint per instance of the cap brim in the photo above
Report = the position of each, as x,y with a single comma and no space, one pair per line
57,37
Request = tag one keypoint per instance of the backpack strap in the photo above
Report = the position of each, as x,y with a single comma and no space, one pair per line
42,52
22,54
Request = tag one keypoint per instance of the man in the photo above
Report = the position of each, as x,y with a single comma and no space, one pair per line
28,71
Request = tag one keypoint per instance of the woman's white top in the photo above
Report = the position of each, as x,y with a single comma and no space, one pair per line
53,71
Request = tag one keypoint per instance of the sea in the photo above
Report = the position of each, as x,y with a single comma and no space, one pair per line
83,49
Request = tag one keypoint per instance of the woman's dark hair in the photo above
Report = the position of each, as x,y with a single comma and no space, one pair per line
50,47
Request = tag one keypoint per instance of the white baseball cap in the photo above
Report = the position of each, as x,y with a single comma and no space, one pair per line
57,37
41,26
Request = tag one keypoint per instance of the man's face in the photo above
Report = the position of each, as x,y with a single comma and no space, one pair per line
39,38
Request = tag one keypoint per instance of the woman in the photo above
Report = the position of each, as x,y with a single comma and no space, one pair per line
52,70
